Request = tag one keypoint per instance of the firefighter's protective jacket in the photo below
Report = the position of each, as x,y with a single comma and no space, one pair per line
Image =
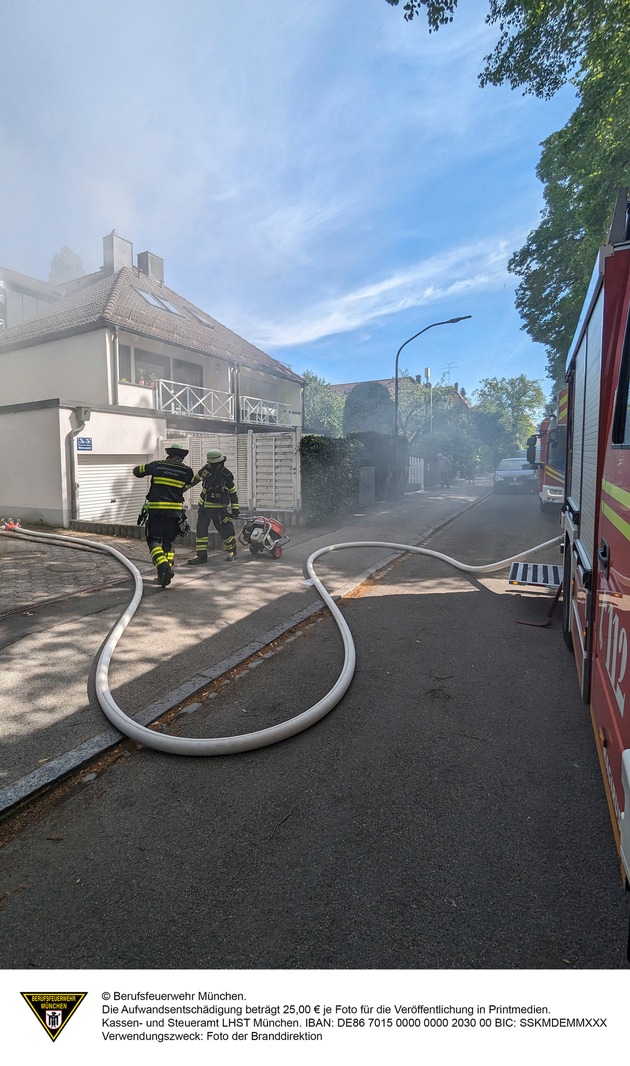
218,488
170,478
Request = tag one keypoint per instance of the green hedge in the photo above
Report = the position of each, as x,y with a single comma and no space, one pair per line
330,476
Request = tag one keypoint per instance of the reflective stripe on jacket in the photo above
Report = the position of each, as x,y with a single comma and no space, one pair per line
170,479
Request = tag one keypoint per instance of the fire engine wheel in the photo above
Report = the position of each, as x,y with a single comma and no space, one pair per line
255,549
277,552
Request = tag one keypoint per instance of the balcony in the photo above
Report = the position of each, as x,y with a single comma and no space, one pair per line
178,399
265,412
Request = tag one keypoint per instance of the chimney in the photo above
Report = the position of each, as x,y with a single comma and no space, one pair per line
117,253
151,265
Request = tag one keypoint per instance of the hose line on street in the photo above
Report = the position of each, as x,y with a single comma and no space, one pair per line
273,734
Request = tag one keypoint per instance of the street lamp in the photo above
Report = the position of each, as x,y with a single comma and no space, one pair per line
447,322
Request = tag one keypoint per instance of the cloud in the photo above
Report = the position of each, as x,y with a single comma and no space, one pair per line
468,269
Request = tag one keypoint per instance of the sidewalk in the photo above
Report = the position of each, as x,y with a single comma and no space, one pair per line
57,606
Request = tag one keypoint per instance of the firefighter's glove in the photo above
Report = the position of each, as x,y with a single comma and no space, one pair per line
143,517
183,525
235,512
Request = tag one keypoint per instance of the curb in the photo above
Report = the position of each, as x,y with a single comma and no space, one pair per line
36,783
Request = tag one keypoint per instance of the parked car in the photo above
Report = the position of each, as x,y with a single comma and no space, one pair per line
515,475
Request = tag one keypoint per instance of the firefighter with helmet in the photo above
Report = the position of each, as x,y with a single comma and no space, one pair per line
163,507
218,493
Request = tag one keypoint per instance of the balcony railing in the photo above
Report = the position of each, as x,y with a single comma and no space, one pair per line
180,399
265,412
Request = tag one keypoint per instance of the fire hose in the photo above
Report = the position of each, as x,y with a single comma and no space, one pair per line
175,745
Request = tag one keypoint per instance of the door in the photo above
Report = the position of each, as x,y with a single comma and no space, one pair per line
610,683
580,512
108,491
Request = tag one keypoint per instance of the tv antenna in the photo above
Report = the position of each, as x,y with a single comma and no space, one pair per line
448,368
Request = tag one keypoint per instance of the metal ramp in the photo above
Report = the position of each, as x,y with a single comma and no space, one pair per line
547,574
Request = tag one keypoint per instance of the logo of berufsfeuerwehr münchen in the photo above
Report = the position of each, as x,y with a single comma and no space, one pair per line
53,1009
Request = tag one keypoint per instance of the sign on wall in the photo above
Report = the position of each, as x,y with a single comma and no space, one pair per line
84,444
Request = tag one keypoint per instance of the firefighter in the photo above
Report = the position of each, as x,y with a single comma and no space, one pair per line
170,478
218,493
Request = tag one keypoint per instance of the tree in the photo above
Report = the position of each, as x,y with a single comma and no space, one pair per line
369,408
323,407
582,167
414,407
438,13
65,265
507,410
542,45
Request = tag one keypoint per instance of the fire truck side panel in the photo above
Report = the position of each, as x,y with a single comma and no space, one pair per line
610,686
580,522
551,459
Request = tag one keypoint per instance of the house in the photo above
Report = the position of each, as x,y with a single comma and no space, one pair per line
98,373
390,384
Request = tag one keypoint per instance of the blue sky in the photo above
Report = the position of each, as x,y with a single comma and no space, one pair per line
323,177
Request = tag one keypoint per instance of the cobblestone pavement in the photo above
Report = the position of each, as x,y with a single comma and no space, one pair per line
35,573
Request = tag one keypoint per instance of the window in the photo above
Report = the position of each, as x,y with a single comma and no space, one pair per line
149,367
621,423
155,301
171,307
187,373
124,362
202,318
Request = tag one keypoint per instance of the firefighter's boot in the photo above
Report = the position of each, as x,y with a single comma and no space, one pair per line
199,559
165,574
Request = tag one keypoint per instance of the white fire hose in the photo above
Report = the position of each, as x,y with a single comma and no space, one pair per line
273,734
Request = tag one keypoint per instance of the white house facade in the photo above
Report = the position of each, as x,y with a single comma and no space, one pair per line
111,366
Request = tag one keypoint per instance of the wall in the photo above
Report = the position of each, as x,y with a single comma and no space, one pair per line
118,434
32,487
38,486
74,367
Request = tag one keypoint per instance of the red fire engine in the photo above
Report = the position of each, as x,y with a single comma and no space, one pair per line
551,454
596,515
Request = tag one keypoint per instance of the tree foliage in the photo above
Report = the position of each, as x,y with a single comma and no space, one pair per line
369,408
507,412
541,42
582,167
323,407
438,13
542,45
65,265
330,476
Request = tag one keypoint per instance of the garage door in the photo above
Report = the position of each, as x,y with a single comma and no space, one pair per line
108,491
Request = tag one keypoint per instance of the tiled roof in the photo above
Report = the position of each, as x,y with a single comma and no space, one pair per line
23,281
116,300
343,390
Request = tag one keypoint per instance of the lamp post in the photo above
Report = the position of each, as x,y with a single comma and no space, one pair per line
447,322
427,372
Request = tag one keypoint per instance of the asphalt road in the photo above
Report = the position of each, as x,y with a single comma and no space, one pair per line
448,813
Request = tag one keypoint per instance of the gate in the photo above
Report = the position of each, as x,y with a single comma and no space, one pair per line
274,471
415,474
266,467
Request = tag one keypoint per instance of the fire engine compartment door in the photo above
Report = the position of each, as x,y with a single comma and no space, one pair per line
583,489
610,683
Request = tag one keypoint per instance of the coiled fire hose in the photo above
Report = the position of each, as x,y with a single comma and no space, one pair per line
273,734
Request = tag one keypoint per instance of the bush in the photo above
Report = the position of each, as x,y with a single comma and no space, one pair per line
330,476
